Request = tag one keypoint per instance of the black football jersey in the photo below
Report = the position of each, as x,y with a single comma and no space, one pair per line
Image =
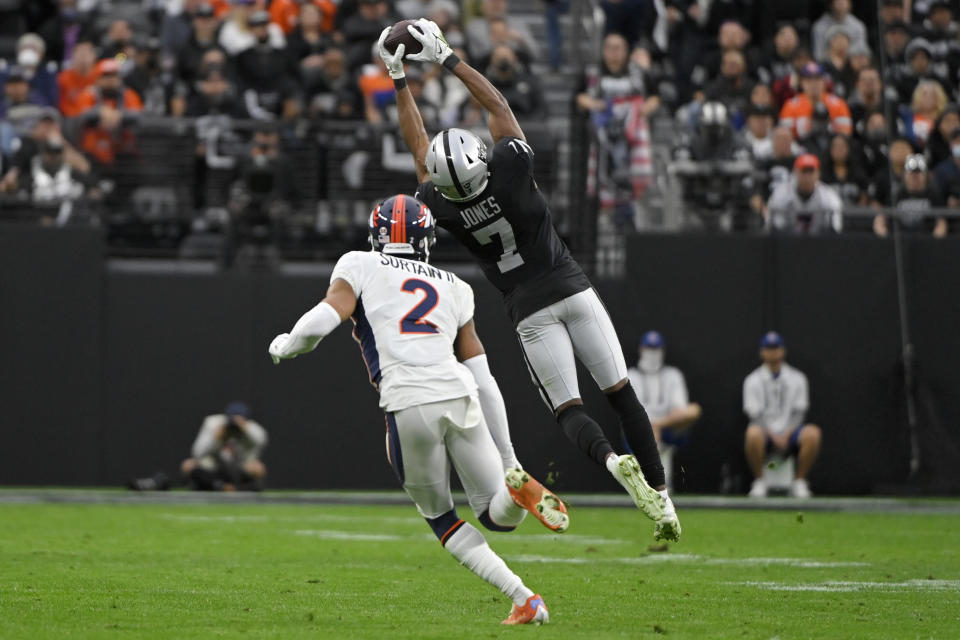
508,229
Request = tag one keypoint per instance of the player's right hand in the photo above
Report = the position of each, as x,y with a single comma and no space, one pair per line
435,47
394,62
278,347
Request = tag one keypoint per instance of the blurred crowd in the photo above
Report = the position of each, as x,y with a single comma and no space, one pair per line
82,75
787,116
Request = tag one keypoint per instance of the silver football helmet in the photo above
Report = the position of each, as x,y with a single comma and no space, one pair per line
457,162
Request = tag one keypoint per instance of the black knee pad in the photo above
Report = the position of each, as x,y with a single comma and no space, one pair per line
583,431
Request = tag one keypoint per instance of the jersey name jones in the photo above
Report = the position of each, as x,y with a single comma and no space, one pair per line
480,212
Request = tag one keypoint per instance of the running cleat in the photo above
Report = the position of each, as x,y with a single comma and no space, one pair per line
533,611
538,500
627,472
668,527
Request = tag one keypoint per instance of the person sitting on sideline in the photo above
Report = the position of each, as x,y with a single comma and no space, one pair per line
662,390
776,398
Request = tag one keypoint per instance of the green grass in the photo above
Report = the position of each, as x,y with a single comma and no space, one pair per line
274,571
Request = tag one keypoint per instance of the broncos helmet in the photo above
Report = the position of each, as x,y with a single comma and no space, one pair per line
457,163
402,225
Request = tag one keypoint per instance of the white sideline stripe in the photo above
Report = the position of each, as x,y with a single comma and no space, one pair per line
319,517
662,558
327,534
847,585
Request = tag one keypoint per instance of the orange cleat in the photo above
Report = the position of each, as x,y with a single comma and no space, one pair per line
533,611
538,500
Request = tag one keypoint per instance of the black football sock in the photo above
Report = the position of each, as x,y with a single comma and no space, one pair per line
639,434
584,432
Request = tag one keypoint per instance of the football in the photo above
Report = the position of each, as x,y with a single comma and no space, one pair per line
399,35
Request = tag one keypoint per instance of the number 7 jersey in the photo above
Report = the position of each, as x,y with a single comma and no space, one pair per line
508,229
407,317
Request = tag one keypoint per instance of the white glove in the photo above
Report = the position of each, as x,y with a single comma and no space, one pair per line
278,347
394,62
435,47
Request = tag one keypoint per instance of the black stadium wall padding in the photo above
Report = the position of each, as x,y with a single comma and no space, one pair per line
110,370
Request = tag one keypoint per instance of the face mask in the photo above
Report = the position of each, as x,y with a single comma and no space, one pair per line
956,151
28,58
264,40
876,136
651,360
110,93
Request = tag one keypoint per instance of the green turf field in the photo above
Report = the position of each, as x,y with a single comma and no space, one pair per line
275,571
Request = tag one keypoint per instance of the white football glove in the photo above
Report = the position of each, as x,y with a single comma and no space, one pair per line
278,348
435,47
394,62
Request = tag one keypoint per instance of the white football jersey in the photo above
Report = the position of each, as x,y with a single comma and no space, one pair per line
407,317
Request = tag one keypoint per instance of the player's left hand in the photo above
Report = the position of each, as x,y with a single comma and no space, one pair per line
278,348
435,47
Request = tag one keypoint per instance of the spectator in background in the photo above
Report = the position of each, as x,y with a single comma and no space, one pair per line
51,180
520,88
867,98
779,57
117,41
362,30
226,453
757,135
215,95
731,37
941,32
919,67
287,14
377,88
429,111
798,112
480,32
263,72
446,14
20,103
617,106
891,11
662,390
875,138
860,58
788,87
109,111
63,30
776,399
732,88
774,171
333,93
938,144
307,42
882,189
838,15
202,38
947,172
262,198
447,92
843,173
805,205
153,77
42,75
74,80
836,63
502,36
926,105
28,147
914,201
236,34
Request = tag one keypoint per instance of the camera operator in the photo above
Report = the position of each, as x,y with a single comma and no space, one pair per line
226,453
715,170
916,197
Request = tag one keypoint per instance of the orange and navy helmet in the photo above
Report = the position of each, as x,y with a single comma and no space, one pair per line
402,225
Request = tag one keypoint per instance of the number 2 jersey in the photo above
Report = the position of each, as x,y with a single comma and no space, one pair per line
407,317
508,229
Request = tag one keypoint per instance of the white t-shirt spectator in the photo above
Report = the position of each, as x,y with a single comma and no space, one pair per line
660,392
789,212
776,403
231,448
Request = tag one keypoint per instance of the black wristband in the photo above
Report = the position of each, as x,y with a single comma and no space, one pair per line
451,61
399,83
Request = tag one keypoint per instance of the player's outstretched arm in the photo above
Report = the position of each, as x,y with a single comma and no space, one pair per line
411,122
435,49
470,352
316,324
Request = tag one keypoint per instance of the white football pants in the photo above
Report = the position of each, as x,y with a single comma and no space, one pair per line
554,338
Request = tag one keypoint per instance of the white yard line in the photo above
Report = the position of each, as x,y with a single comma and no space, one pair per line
662,558
850,585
